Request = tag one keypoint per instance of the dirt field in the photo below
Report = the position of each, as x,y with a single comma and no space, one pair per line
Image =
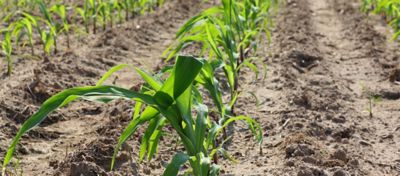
325,61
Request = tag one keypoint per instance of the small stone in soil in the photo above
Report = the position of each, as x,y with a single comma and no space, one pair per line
298,150
339,119
310,160
340,154
340,173
147,171
290,163
305,172
354,163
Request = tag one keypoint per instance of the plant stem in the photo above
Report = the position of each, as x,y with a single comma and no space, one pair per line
94,25
111,20
32,49
9,66
104,23
126,14
55,46
87,27
68,41
370,107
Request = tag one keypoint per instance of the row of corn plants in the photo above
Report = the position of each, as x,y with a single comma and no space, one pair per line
175,95
227,34
176,101
7,6
390,9
23,27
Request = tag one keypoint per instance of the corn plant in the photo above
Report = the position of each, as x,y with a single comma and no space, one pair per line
27,4
49,37
388,8
28,22
47,41
84,13
160,2
103,13
227,34
93,12
112,7
119,6
61,11
87,13
174,101
373,100
23,26
145,5
128,7
17,5
16,33
7,50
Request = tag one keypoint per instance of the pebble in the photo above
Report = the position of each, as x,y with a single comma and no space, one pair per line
290,163
339,119
305,172
340,154
340,173
354,163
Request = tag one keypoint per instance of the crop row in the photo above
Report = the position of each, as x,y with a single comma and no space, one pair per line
390,9
228,35
24,25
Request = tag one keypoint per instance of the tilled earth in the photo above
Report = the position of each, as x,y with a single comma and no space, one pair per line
326,60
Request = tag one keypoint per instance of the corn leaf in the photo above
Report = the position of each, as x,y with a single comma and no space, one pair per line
95,93
177,161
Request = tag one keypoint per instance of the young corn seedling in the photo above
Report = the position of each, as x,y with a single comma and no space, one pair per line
28,22
87,13
48,37
61,11
47,41
226,33
120,10
160,3
389,9
92,4
16,33
103,13
145,5
373,100
84,13
111,8
174,101
127,5
7,50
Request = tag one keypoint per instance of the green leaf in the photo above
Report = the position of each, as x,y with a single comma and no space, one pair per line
201,127
110,72
148,114
177,161
155,138
44,11
144,145
185,71
61,98
192,22
214,171
156,85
